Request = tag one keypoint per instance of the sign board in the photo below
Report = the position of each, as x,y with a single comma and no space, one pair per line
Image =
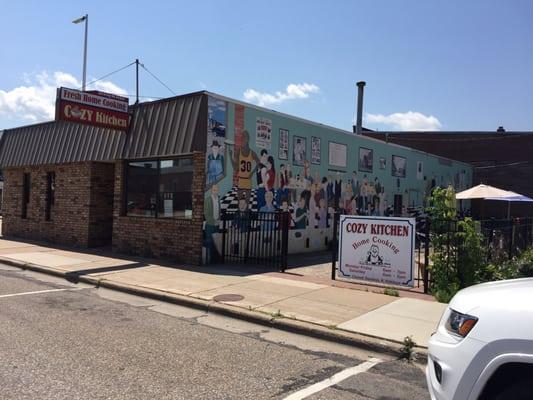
377,249
263,133
93,108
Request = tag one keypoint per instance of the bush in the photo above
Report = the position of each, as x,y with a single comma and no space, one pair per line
525,264
445,295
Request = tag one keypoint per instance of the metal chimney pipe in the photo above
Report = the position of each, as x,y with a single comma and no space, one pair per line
360,92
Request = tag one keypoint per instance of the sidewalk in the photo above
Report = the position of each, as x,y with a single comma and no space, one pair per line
317,306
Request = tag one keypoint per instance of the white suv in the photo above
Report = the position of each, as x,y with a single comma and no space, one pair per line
483,346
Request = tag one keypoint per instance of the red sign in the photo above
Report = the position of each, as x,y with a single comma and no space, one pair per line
93,108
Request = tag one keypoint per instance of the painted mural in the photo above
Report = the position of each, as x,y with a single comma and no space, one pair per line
263,161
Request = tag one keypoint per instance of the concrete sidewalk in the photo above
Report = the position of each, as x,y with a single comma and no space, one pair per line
288,300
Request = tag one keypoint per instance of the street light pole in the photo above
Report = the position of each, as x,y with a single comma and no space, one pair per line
85,19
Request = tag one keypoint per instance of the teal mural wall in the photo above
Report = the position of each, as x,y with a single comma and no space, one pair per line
310,168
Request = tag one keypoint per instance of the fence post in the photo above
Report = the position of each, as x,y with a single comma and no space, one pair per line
284,239
426,256
249,228
335,245
223,255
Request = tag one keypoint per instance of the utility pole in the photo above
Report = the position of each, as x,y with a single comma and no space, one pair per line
85,19
137,79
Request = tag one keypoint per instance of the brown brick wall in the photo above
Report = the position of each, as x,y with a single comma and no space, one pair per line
175,239
81,216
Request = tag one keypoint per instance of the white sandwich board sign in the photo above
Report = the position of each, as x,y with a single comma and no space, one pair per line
378,249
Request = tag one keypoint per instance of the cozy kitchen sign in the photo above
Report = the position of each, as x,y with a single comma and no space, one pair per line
377,249
92,108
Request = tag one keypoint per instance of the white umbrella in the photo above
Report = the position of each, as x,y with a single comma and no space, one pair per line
484,192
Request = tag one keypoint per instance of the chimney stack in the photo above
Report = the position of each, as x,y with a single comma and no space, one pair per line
360,92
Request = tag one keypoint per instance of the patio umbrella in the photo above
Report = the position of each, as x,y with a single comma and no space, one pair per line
484,192
512,198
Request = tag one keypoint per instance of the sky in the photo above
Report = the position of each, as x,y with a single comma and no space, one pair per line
429,65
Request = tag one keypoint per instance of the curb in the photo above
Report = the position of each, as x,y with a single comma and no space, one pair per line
336,335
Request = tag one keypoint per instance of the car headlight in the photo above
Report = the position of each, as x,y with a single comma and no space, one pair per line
460,324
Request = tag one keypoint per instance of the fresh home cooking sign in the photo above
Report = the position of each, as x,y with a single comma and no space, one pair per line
377,249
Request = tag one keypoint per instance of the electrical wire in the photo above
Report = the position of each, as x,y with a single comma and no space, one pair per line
157,79
111,73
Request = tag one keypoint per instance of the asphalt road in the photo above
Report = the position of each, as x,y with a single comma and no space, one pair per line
64,341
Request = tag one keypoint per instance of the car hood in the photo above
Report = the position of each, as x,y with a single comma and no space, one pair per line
509,294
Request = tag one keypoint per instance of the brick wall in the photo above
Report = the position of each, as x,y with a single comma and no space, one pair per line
170,238
82,212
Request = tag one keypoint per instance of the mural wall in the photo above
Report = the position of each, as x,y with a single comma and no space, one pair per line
261,160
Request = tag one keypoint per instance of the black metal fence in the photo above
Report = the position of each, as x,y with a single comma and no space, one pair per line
506,238
256,238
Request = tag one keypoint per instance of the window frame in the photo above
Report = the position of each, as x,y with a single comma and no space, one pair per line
26,190
158,192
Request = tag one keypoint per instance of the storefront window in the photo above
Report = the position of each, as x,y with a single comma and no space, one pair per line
175,188
160,188
141,188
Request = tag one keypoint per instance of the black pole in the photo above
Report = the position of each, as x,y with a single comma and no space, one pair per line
426,256
137,79
223,255
335,244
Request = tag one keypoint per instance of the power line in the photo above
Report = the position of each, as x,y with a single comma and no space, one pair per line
111,73
159,80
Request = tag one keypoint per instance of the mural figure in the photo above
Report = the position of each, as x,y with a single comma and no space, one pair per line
283,182
245,162
269,222
261,178
212,220
382,201
322,214
312,206
300,220
363,194
270,174
240,221
215,164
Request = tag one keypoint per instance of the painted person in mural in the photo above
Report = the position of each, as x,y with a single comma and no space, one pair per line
212,220
269,221
284,177
300,219
245,162
241,220
215,164
261,178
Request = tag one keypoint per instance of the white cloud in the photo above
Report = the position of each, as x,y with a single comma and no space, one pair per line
36,100
408,121
293,91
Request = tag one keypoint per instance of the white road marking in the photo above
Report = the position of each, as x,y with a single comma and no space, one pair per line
338,377
39,291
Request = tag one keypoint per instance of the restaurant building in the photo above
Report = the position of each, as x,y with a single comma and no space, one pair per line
158,187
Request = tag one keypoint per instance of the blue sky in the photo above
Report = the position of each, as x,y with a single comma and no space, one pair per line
448,65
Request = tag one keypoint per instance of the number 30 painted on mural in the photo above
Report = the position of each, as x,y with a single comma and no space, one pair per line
246,166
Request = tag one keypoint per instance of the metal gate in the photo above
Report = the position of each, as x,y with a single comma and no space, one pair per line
250,237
